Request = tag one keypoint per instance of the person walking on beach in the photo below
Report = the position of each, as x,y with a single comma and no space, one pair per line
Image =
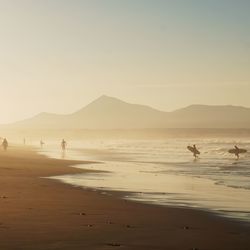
5,144
63,144
41,143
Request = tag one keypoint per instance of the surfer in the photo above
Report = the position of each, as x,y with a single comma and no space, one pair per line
63,145
5,144
237,152
195,151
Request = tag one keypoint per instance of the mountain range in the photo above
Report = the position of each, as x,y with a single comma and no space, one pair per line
112,113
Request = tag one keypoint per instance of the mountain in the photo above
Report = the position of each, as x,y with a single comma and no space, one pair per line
104,113
112,113
205,116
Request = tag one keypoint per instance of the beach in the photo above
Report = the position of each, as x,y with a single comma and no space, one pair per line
41,213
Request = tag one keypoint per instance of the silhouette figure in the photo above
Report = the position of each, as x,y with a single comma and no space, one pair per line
5,144
63,145
237,152
41,143
195,151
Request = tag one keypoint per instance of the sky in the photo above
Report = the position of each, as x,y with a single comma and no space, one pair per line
59,55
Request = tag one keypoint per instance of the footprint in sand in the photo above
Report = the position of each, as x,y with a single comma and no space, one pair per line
129,226
113,244
109,222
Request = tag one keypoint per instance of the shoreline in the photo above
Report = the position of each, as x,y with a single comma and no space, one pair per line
144,197
121,195
38,213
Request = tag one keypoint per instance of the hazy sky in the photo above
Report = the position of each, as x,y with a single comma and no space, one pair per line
59,55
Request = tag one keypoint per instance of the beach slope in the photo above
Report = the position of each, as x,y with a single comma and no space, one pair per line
39,213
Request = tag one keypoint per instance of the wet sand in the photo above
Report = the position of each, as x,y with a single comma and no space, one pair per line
39,213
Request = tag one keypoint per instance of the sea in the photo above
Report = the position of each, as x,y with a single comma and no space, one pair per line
163,172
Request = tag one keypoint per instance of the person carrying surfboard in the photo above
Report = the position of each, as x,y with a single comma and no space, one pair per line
194,150
237,151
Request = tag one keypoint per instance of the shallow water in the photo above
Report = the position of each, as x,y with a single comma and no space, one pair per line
164,172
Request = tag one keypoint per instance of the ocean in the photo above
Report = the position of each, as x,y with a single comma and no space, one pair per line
164,172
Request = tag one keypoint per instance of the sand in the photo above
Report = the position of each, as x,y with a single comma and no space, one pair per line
40,213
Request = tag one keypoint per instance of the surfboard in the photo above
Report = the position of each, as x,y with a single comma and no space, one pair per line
234,150
193,150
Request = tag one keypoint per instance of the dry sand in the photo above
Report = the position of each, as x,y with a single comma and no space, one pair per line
38,213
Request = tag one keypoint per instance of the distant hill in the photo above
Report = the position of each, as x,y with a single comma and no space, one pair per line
112,113
206,116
